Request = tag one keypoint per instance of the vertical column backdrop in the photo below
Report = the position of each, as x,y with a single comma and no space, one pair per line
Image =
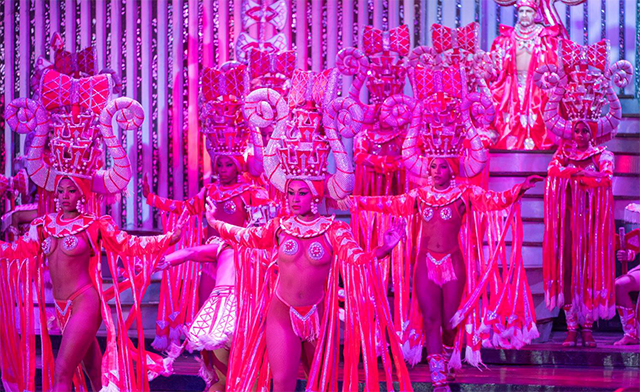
158,48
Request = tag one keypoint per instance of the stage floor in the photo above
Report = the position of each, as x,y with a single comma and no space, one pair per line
538,367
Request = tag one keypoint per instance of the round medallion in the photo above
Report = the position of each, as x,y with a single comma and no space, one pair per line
290,247
229,207
316,251
69,242
427,214
46,246
445,213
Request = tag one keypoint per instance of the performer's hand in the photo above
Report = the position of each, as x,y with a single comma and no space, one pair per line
593,174
210,212
625,255
530,182
162,264
146,188
177,233
396,232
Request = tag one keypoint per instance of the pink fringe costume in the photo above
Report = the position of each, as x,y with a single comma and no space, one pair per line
77,122
496,308
579,209
299,149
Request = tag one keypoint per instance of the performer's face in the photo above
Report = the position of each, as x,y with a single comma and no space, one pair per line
440,172
299,197
581,135
227,170
68,195
526,16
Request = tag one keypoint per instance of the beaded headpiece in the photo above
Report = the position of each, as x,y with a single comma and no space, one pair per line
306,130
583,85
222,121
80,113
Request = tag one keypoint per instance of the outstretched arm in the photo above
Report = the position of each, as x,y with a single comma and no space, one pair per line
194,205
201,254
347,249
262,237
402,205
485,200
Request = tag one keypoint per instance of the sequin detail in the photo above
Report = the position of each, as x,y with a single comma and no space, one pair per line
316,251
69,242
445,213
427,214
290,247
46,246
229,207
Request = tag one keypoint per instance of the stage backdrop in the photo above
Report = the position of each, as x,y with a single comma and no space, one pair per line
158,49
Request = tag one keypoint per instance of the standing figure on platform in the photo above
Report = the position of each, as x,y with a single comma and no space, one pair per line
312,255
68,244
579,239
183,292
628,282
449,281
518,51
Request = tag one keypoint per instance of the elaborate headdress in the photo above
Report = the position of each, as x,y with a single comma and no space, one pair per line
81,112
583,84
445,116
546,12
222,121
306,130
457,47
381,66
528,3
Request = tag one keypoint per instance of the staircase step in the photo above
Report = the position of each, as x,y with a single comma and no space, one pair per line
533,207
625,143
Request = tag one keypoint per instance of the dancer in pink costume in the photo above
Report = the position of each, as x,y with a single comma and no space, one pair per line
518,51
451,284
68,244
311,253
240,202
627,249
578,249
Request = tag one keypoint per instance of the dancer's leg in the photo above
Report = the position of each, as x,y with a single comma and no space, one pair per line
452,292
429,297
283,347
78,337
93,365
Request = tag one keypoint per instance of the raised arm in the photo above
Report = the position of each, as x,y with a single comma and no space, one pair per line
24,247
402,205
262,237
485,200
130,245
347,249
194,205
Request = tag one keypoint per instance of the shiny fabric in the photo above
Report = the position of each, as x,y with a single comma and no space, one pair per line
519,118
578,213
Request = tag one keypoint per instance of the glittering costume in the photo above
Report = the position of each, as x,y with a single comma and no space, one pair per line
519,102
496,307
579,209
298,150
72,119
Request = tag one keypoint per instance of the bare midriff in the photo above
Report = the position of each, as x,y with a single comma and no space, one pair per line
69,269
302,279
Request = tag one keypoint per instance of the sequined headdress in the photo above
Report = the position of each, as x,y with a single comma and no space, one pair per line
222,121
381,65
444,118
583,84
72,120
307,127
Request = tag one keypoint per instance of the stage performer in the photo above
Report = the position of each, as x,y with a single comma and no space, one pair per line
518,51
578,246
68,243
625,285
240,202
312,254
447,216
